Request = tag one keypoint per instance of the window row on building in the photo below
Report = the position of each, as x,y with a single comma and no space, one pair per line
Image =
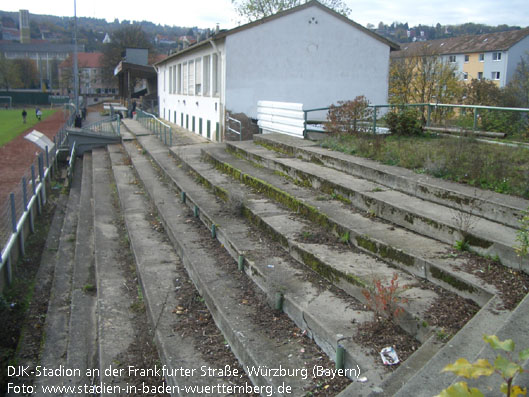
200,125
496,56
199,76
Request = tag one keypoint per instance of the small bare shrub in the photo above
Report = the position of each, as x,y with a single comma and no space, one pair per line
349,116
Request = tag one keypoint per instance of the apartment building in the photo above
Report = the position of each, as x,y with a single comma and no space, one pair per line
492,56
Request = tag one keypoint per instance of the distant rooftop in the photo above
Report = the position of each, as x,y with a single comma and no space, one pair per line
500,41
39,47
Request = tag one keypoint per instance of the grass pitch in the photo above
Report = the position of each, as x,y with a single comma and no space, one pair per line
11,124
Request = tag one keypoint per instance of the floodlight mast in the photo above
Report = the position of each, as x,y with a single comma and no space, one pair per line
75,65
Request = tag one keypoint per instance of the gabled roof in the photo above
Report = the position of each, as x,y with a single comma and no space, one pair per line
85,60
222,34
500,41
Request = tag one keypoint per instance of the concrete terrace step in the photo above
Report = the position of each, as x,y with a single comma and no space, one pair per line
348,270
55,342
486,320
468,343
496,207
82,341
160,271
114,319
323,313
251,345
418,255
424,217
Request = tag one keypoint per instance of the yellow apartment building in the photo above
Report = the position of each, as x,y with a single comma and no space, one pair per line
492,56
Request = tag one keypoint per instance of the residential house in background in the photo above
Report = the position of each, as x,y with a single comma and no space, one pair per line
492,56
309,54
90,75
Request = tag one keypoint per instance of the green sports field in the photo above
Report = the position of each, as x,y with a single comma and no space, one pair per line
11,124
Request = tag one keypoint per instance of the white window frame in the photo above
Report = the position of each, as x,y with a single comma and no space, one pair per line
198,76
480,76
191,77
495,75
482,57
206,75
179,79
170,79
215,81
452,58
496,56
467,58
465,75
185,78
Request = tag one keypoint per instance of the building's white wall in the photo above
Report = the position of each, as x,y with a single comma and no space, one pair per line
514,55
291,60
491,65
181,108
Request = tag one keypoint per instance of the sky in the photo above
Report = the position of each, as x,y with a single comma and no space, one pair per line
207,13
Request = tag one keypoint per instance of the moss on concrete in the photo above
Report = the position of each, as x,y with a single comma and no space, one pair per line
451,280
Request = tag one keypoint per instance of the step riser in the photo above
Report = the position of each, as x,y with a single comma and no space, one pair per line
415,265
204,284
493,211
428,227
297,313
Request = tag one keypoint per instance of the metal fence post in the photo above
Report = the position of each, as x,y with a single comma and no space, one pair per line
34,185
13,212
42,180
375,119
474,127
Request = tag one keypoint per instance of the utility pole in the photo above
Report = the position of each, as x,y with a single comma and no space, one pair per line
75,66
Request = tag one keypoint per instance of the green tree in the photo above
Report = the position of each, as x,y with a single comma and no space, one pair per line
257,9
482,92
423,77
8,76
25,74
129,36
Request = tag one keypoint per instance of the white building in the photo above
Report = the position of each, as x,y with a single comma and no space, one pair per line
308,54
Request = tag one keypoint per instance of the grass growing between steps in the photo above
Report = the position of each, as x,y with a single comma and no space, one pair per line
23,307
142,353
498,168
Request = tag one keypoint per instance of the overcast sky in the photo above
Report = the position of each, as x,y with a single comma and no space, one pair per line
206,13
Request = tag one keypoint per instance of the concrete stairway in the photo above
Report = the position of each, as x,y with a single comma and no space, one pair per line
250,227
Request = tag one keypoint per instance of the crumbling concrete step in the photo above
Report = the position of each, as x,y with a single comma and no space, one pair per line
159,276
114,318
55,343
82,340
515,328
324,314
348,270
430,380
419,255
252,346
424,217
496,207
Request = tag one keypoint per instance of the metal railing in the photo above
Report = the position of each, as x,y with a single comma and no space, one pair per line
163,131
233,130
436,115
21,204
108,126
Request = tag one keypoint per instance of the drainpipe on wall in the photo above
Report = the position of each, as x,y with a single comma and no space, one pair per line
221,104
